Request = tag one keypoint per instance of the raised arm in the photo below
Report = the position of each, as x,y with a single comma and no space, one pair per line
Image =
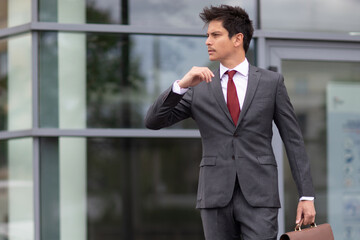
171,107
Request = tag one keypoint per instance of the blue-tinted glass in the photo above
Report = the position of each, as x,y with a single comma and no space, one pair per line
15,83
160,13
111,79
311,15
16,189
120,188
136,192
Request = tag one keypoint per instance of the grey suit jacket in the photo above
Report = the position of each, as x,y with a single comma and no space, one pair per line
243,150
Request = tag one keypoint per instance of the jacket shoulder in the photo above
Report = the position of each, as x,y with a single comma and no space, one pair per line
265,72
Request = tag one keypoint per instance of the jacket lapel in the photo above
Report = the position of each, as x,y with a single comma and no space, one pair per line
219,96
253,82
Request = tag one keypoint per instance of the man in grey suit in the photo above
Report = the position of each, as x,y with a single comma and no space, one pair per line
234,108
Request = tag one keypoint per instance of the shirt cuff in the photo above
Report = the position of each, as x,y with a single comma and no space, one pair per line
306,199
177,89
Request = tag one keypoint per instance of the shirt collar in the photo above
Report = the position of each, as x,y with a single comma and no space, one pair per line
242,68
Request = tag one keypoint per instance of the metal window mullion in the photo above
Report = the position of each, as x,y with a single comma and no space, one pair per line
6,135
35,121
122,133
113,28
261,52
308,36
35,117
35,80
36,189
258,14
7,32
115,133
34,11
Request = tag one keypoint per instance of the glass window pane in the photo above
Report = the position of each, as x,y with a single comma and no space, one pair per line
13,13
156,180
110,80
15,83
178,13
111,188
311,15
326,98
182,14
16,190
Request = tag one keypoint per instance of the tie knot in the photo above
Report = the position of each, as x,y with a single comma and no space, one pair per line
231,73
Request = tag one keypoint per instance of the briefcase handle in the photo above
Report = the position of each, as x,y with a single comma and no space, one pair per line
298,226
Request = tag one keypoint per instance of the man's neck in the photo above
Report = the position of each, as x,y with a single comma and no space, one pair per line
233,62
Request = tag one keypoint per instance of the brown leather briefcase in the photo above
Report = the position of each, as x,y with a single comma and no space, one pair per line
315,232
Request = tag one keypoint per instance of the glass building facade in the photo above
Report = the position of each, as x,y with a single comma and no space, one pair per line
77,78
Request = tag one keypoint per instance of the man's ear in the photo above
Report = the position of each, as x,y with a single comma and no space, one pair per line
238,40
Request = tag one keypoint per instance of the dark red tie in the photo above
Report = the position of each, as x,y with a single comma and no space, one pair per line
232,98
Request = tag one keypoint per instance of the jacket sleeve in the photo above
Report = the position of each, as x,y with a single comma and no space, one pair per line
168,109
285,120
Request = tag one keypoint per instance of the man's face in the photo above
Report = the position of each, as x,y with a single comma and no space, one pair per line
220,46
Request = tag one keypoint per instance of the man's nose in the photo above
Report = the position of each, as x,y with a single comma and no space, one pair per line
208,42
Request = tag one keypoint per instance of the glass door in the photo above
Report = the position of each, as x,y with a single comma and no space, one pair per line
323,82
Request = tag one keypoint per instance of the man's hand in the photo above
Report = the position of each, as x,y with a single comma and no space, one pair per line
195,76
306,210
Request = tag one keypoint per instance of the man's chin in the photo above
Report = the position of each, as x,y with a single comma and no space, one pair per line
212,58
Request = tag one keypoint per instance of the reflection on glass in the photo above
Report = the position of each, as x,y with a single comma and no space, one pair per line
130,188
72,80
182,14
178,13
126,73
310,15
143,188
16,190
110,80
15,83
307,83
13,13
72,171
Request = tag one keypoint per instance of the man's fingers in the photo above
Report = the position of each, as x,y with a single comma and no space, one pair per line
207,74
210,75
195,76
298,215
204,73
206,77
309,219
305,210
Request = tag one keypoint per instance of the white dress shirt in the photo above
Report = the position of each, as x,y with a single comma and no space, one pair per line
240,79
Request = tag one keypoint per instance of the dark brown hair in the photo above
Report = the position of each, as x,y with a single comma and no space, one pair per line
234,19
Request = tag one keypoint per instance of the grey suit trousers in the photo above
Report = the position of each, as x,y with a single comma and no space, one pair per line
239,220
